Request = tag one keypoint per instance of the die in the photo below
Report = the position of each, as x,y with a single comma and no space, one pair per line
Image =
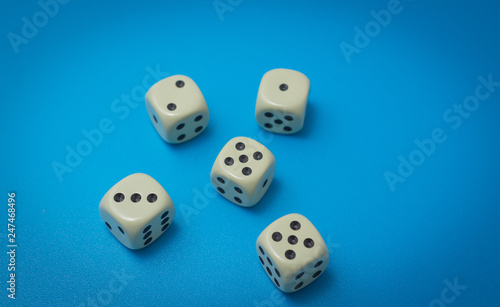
137,210
292,252
177,109
243,171
282,100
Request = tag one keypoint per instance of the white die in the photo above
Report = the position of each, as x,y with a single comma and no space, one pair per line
177,109
281,101
292,252
243,171
137,210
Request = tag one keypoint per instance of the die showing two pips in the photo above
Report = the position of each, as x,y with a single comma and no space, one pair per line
177,109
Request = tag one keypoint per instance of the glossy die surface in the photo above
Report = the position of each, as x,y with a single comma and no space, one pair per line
282,100
243,171
137,210
177,109
292,252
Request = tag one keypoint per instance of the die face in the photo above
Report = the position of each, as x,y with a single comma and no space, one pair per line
292,252
137,210
281,101
278,120
243,171
187,128
177,109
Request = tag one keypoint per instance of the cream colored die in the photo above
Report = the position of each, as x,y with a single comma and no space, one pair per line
177,109
292,252
281,101
243,171
137,210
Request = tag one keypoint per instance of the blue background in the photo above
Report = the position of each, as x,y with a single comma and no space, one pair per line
387,248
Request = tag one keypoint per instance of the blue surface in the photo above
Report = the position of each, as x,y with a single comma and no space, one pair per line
388,248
